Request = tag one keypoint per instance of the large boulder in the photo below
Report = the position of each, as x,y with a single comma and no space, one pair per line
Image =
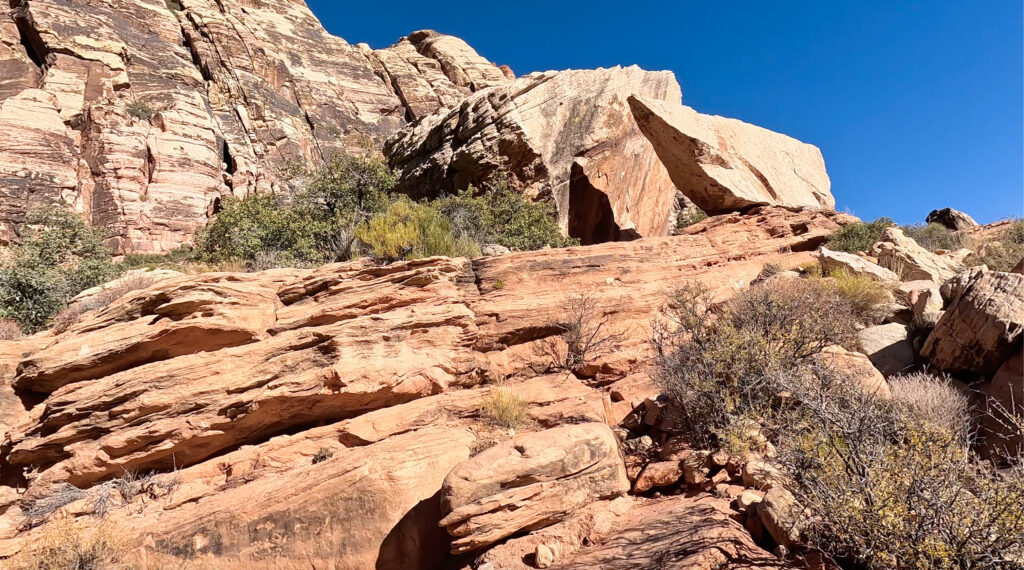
902,255
952,219
857,369
855,265
1003,422
888,348
530,482
725,165
569,135
982,326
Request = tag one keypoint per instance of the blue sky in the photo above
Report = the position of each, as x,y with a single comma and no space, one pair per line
915,105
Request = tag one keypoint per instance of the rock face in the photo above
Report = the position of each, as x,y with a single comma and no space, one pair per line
952,219
141,114
569,135
855,265
902,255
983,325
888,348
725,164
291,402
531,481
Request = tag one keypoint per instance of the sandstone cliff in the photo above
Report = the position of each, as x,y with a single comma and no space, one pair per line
142,113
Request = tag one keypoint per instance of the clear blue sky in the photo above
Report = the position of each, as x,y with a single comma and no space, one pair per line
915,105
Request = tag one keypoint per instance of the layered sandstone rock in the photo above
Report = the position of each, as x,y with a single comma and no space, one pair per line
531,481
291,402
725,164
141,114
855,265
952,219
902,255
983,325
569,135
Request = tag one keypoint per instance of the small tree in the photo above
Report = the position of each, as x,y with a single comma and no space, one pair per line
585,334
59,256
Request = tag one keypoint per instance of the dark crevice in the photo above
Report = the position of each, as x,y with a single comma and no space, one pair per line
30,38
591,219
226,158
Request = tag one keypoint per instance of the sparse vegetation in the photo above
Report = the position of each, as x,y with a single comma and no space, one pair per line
141,110
69,545
505,408
690,216
498,284
10,330
880,483
322,454
38,510
934,236
58,257
409,231
499,214
132,282
585,335
716,363
859,236
1003,252
869,299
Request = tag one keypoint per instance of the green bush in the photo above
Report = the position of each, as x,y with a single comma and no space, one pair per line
59,256
690,216
859,236
260,224
504,216
933,236
408,230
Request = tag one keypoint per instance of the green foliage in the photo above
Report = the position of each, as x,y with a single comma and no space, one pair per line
690,216
140,110
504,216
859,236
408,230
347,190
258,224
933,236
59,257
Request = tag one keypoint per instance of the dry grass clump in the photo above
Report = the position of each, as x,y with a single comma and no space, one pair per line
1001,253
505,408
869,298
38,510
68,545
933,402
10,329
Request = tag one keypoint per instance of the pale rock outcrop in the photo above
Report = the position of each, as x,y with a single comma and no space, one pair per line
983,325
529,482
725,164
902,255
888,348
925,298
780,514
952,219
569,135
855,265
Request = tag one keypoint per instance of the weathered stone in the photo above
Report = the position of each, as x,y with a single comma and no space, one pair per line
532,481
902,255
760,475
569,135
855,265
888,348
780,515
678,532
925,299
658,474
982,326
856,368
725,164
952,219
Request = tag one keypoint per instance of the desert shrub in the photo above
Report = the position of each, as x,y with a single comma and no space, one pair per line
38,510
261,224
884,486
68,545
858,236
716,364
505,408
502,215
868,298
322,454
498,284
10,330
584,334
140,110
933,402
409,231
933,236
59,256
690,216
